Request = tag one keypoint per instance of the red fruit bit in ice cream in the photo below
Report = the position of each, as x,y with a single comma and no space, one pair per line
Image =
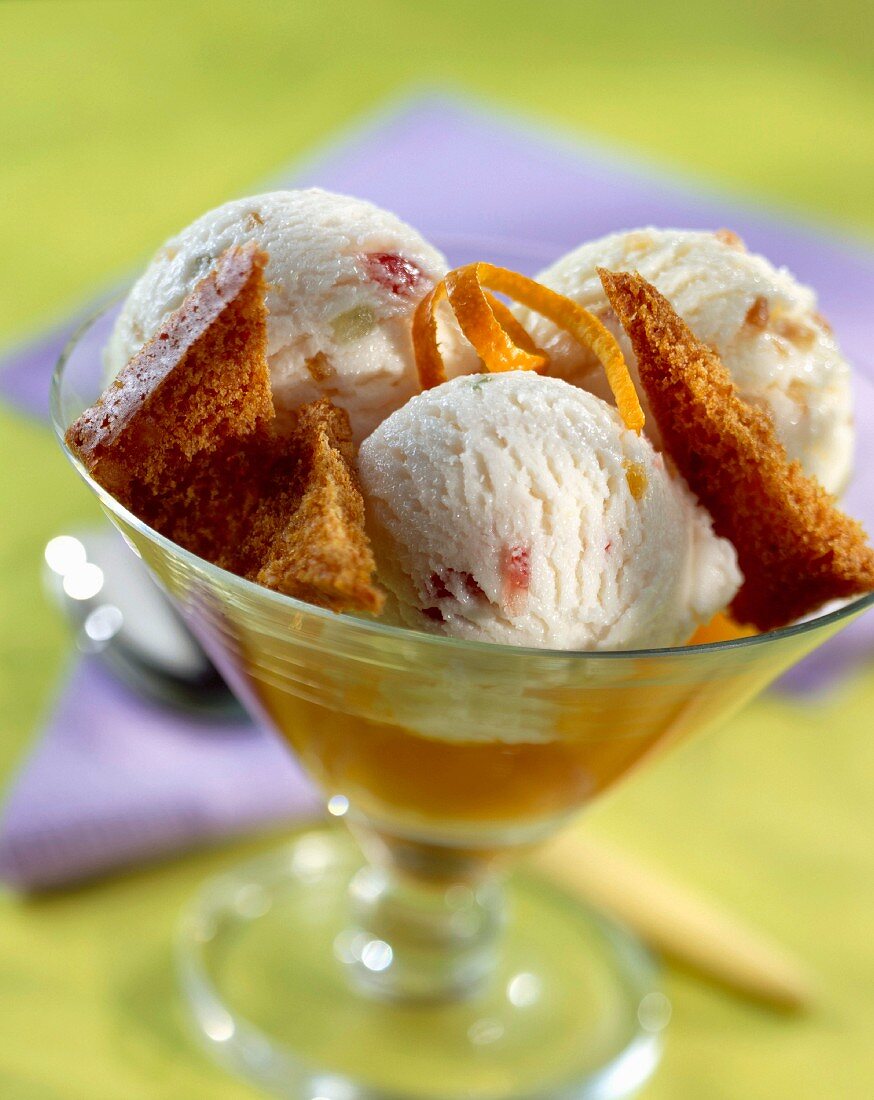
515,575
437,588
472,587
393,272
438,585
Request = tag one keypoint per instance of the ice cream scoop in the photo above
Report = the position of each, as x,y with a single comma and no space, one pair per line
519,509
344,277
765,326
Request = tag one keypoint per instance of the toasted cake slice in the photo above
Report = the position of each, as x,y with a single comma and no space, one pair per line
795,547
319,551
185,439
200,381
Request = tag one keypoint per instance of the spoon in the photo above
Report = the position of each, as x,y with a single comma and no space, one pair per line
119,614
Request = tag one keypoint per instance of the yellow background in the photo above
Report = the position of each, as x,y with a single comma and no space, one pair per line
121,121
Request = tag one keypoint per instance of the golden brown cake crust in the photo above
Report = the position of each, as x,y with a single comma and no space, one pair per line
796,549
201,380
320,552
185,439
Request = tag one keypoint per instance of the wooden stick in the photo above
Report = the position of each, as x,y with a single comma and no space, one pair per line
674,922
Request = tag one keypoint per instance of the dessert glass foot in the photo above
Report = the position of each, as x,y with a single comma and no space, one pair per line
270,958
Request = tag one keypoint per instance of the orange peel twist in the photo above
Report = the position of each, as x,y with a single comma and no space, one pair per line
502,342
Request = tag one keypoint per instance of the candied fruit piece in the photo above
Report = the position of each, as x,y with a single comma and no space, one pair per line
635,475
393,272
320,367
758,314
515,575
353,324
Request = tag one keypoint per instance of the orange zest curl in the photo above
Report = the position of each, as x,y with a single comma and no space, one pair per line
476,317
514,329
429,361
501,341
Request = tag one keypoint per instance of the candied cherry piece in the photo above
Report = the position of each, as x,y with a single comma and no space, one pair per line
515,575
393,272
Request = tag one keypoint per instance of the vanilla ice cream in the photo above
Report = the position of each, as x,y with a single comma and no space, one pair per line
516,508
344,277
762,322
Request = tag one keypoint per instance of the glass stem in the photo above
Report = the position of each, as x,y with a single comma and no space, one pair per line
426,920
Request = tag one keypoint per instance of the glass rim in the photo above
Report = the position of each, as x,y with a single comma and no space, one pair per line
374,626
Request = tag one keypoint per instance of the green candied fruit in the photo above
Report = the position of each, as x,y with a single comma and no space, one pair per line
353,324
201,264
478,383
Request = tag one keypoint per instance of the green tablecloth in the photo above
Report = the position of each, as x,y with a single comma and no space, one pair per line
119,122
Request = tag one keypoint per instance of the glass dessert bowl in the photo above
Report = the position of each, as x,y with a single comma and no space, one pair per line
414,962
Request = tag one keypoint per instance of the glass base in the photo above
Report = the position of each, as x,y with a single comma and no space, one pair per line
569,1012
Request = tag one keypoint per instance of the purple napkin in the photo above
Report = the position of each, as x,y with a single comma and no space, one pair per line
115,780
